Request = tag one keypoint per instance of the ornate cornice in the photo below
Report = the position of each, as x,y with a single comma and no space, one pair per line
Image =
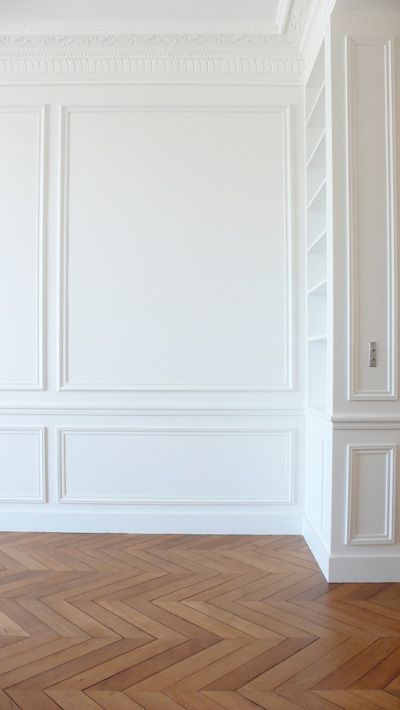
122,67
126,52
128,34
122,33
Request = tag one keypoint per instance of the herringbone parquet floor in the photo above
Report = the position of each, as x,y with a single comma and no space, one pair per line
200,622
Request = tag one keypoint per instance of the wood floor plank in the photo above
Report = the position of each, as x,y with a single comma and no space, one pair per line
165,622
356,701
230,700
7,703
112,700
32,700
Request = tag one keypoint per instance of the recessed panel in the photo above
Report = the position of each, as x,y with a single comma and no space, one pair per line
372,233
175,466
176,266
21,147
371,495
22,474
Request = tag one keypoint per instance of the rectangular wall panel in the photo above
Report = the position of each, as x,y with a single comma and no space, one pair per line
21,238
184,466
371,495
22,465
176,266
371,215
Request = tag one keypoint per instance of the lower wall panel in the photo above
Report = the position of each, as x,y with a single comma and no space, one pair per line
140,465
371,478
365,509
165,475
22,464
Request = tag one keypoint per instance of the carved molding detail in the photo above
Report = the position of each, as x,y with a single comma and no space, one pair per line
128,34
123,51
123,67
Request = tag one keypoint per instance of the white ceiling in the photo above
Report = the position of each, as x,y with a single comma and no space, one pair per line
265,11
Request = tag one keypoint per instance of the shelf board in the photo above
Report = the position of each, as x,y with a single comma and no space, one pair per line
317,194
322,338
319,289
315,149
316,225
317,73
315,103
316,242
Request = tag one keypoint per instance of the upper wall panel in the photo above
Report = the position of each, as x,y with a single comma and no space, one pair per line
372,229
176,266
21,210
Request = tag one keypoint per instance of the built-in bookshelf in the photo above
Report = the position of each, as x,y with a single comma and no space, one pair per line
316,205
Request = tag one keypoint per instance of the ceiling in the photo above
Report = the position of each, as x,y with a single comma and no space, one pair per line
270,12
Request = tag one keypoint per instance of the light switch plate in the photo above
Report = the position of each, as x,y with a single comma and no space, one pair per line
372,353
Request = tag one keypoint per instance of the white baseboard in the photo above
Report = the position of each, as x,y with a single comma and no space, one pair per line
357,568
232,522
350,568
317,547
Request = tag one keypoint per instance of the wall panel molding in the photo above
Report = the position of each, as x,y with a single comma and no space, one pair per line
365,492
17,434
366,421
39,382
358,348
63,434
64,379
121,409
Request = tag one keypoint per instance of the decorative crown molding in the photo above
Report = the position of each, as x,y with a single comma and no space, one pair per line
124,52
125,35
122,68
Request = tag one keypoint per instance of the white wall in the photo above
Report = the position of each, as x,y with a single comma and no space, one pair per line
151,272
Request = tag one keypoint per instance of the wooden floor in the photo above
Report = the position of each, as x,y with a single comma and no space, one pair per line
162,622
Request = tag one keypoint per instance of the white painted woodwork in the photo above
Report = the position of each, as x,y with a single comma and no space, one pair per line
21,277
315,464
372,236
177,355
182,245
205,466
371,495
316,238
22,465
173,256
362,421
